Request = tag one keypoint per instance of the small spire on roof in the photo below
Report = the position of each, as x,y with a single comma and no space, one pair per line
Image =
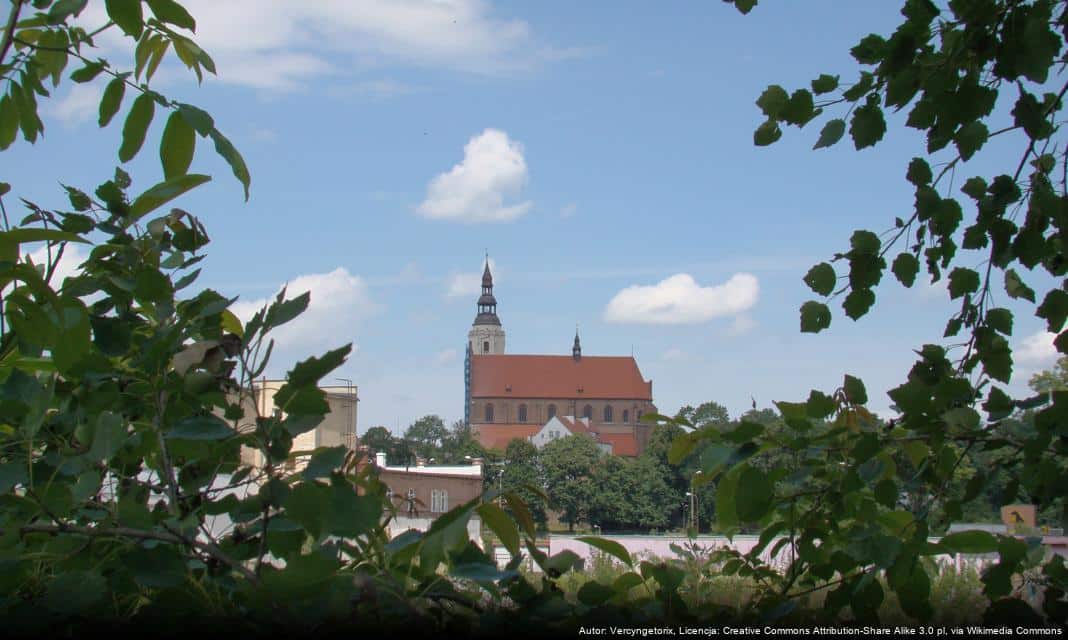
576,350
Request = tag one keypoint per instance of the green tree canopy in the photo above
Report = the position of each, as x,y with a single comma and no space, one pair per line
568,464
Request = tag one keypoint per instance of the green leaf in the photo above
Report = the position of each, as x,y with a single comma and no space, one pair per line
963,281
1031,116
831,133
1000,320
971,138
886,493
767,133
324,461
754,494
9,121
773,101
310,371
157,568
127,14
905,267
611,547
206,427
919,172
520,512
74,336
136,126
824,84
75,592
177,145
726,499
863,241
171,12
858,302
237,164
594,593
1016,288
745,6
503,526
821,279
88,72
1054,309
868,126
815,317
969,542
854,390
974,188
820,405
164,192
800,109
870,49
111,100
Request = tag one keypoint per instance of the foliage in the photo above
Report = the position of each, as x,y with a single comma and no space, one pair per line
568,464
427,435
521,474
1052,380
951,68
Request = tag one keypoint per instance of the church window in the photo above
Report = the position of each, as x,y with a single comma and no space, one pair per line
485,346
489,412
626,416
552,411
587,412
608,413
522,413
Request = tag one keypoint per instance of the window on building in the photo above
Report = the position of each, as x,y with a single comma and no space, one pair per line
626,416
608,413
411,500
522,413
485,346
489,412
439,501
587,412
552,411
389,494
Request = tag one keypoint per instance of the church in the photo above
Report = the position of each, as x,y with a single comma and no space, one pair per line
511,397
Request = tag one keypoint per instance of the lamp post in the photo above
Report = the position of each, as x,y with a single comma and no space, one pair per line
693,492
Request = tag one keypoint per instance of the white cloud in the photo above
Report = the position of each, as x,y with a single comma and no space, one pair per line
680,300
673,355
339,302
285,44
1036,349
568,210
467,284
446,357
474,190
81,104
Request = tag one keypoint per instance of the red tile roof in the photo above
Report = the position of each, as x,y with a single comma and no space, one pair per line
623,444
595,377
575,425
497,436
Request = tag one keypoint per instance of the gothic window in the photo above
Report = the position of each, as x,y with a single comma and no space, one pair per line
552,411
608,413
485,346
489,412
587,412
522,413
626,416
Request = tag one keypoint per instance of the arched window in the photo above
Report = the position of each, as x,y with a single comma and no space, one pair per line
485,346
489,412
608,413
587,412
626,416
522,413
552,411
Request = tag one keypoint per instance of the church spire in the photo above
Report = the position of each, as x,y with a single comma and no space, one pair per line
487,303
576,350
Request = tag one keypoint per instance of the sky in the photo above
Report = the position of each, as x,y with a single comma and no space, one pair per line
600,153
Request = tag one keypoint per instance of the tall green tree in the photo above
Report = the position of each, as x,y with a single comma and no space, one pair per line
1050,380
568,464
705,414
521,473
426,436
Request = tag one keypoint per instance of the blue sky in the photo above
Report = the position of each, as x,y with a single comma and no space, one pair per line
591,148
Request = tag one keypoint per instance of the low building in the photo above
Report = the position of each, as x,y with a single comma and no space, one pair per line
619,444
420,494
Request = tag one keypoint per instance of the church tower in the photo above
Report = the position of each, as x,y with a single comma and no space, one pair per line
486,336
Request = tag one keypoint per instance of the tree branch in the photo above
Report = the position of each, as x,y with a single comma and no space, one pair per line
9,31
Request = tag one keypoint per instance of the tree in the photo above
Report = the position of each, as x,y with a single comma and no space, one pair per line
426,436
459,446
1051,380
568,464
949,68
630,494
521,474
706,413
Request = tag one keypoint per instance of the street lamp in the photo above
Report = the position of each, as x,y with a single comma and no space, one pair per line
693,497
